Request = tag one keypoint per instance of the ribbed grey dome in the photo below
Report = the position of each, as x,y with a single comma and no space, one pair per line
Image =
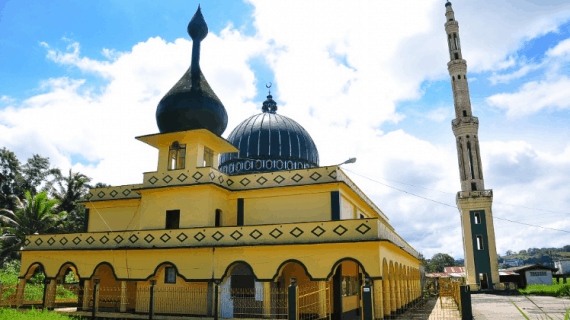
269,142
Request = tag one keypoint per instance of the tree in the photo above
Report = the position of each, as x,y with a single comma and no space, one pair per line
9,176
32,215
101,185
424,261
36,172
69,191
509,252
441,260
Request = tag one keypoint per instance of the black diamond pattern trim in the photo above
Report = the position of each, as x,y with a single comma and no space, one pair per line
279,179
199,236
167,179
244,182
230,182
340,230
165,237
362,228
133,238
255,234
118,239
221,179
315,176
212,176
90,240
297,177
149,238
276,233
51,241
63,241
296,232
197,176
89,196
101,194
236,235
318,231
76,240
261,180
27,242
113,193
153,180
126,192
182,237
218,236
104,239
333,174
182,177
39,242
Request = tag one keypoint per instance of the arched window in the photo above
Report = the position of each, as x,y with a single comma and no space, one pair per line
218,220
456,56
458,77
464,113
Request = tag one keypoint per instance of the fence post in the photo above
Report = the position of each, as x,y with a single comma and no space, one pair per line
95,298
466,311
151,300
292,299
367,312
45,300
216,298
1,292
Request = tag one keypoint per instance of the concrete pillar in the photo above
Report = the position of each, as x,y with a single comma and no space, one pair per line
50,294
386,296
20,292
124,300
393,307
86,294
398,292
378,299
266,299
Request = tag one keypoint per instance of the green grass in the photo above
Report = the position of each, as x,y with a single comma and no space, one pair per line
558,289
10,314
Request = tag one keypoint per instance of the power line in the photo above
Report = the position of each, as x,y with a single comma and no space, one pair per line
448,205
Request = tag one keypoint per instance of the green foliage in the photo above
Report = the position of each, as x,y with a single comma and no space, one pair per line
438,262
35,214
70,190
10,314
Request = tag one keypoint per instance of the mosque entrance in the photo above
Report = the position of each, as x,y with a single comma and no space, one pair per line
346,284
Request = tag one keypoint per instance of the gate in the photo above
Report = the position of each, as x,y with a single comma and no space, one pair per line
314,301
259,302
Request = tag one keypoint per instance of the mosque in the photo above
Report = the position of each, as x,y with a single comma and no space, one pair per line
224,226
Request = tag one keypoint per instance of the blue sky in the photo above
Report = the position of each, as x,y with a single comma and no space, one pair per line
78,80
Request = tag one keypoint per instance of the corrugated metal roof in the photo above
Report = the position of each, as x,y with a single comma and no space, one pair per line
454,269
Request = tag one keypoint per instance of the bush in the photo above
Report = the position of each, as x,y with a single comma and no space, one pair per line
558,289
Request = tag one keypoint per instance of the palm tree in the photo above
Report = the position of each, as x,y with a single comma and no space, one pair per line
33,215
70,190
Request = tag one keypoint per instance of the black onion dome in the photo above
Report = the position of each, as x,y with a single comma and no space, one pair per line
269,142
191,103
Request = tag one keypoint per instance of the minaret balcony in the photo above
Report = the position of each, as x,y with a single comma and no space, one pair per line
470,120
355,230
475,194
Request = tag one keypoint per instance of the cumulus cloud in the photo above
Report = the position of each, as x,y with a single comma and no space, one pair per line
340,71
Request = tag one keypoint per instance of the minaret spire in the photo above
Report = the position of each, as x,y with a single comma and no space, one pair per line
473,201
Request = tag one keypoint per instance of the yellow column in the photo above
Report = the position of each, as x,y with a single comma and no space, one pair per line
398,292
378,299
124,301
266,299
322,299
386,295
86,294
20,292
393,307
50,294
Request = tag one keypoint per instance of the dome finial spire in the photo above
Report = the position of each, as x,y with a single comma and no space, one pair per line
269,105
198,30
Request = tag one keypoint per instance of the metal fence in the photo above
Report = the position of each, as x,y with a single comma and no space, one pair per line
258,302
7,295
314,301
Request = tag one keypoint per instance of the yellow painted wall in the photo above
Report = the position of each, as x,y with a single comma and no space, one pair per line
290,208
118,215
347,209
197,205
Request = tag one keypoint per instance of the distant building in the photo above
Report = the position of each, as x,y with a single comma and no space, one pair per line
563,266
533,274
516,262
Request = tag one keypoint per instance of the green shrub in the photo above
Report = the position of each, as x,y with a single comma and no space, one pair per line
557,289
10,314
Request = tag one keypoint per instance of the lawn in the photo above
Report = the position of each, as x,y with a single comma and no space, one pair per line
10,314
558,289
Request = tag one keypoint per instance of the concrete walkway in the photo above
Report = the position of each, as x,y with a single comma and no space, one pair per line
491,306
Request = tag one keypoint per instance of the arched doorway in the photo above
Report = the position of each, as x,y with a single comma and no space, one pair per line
346,296
241,295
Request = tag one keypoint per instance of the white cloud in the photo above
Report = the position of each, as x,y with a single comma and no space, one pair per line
561,49
340,69
506,78
534,96
7,99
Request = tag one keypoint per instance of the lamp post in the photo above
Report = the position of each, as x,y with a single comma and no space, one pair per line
350,160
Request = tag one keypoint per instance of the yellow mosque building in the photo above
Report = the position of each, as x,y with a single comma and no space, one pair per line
223,227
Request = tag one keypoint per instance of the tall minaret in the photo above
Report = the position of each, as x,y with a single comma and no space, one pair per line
473,201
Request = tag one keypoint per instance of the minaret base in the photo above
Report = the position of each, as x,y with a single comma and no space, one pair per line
481,264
